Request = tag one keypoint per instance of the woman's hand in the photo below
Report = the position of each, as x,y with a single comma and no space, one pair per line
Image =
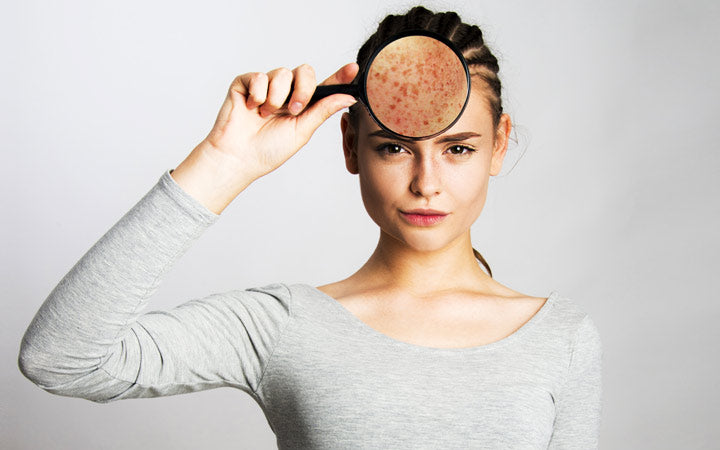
253,134
252,128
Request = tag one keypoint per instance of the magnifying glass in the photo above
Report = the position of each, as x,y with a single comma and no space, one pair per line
416,85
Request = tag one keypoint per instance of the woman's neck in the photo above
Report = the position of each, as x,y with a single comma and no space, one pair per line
394,266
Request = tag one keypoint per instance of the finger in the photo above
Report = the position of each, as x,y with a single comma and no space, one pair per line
303,87
344,75
278,90
318,113
254,86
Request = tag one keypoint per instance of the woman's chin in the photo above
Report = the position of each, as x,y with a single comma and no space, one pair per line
423,241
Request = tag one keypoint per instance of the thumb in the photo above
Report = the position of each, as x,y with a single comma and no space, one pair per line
318,113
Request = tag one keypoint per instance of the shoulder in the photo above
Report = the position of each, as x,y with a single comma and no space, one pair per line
273,300
561,316
290,295
276,289
579,327
571,312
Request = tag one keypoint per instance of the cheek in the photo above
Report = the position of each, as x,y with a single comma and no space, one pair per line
470,192
374,198
378,184
478,200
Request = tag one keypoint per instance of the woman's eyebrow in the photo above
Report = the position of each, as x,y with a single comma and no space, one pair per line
457,137
441,140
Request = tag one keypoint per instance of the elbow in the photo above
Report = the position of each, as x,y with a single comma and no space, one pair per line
38,355
45,365
66,376
44,361
25,364
38,367
30,362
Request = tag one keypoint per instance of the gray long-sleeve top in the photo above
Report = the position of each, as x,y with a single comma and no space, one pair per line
323,378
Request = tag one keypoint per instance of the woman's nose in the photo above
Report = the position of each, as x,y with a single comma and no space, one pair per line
426,180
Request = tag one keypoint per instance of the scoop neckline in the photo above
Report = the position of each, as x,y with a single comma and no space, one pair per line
370,331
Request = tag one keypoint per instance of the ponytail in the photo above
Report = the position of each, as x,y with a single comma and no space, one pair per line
480,258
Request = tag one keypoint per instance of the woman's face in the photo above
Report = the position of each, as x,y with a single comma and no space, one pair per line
447,173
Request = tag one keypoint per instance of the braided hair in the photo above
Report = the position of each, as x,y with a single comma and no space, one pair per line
467,38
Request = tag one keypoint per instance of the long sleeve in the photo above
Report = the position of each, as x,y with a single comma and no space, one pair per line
90,338
579,404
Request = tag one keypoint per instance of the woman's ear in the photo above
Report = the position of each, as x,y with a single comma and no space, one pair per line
349,143
502,136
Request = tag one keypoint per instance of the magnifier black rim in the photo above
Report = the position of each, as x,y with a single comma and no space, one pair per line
393,38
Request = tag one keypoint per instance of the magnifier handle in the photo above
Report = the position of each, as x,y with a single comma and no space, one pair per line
325,90
330,89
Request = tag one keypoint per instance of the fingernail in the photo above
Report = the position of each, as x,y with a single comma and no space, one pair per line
295,107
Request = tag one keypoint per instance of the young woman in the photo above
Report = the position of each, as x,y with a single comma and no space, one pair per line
418,348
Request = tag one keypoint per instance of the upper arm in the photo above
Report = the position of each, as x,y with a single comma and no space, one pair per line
220,340
578,405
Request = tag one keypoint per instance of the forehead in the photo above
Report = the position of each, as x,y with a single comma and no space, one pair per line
476,117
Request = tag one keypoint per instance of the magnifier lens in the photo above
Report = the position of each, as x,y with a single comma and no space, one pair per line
416,86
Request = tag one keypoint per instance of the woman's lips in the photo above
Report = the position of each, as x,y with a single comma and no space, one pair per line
423,217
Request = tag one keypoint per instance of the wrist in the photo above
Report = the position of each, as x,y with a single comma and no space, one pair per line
212,178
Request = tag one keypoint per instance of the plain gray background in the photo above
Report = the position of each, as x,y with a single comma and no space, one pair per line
614,203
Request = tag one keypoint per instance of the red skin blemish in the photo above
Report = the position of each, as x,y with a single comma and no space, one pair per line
416,86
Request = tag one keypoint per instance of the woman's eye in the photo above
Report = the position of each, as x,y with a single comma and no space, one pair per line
390,148
460,150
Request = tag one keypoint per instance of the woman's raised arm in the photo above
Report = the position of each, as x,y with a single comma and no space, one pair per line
90,338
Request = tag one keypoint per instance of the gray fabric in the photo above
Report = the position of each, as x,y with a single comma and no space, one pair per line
323,378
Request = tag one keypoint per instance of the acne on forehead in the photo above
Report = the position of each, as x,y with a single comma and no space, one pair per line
416,86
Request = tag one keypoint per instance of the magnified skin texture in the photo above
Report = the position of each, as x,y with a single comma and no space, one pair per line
416,86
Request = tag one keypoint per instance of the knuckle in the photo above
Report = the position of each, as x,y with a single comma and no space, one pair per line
306,68
282,72
285,72
237,81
